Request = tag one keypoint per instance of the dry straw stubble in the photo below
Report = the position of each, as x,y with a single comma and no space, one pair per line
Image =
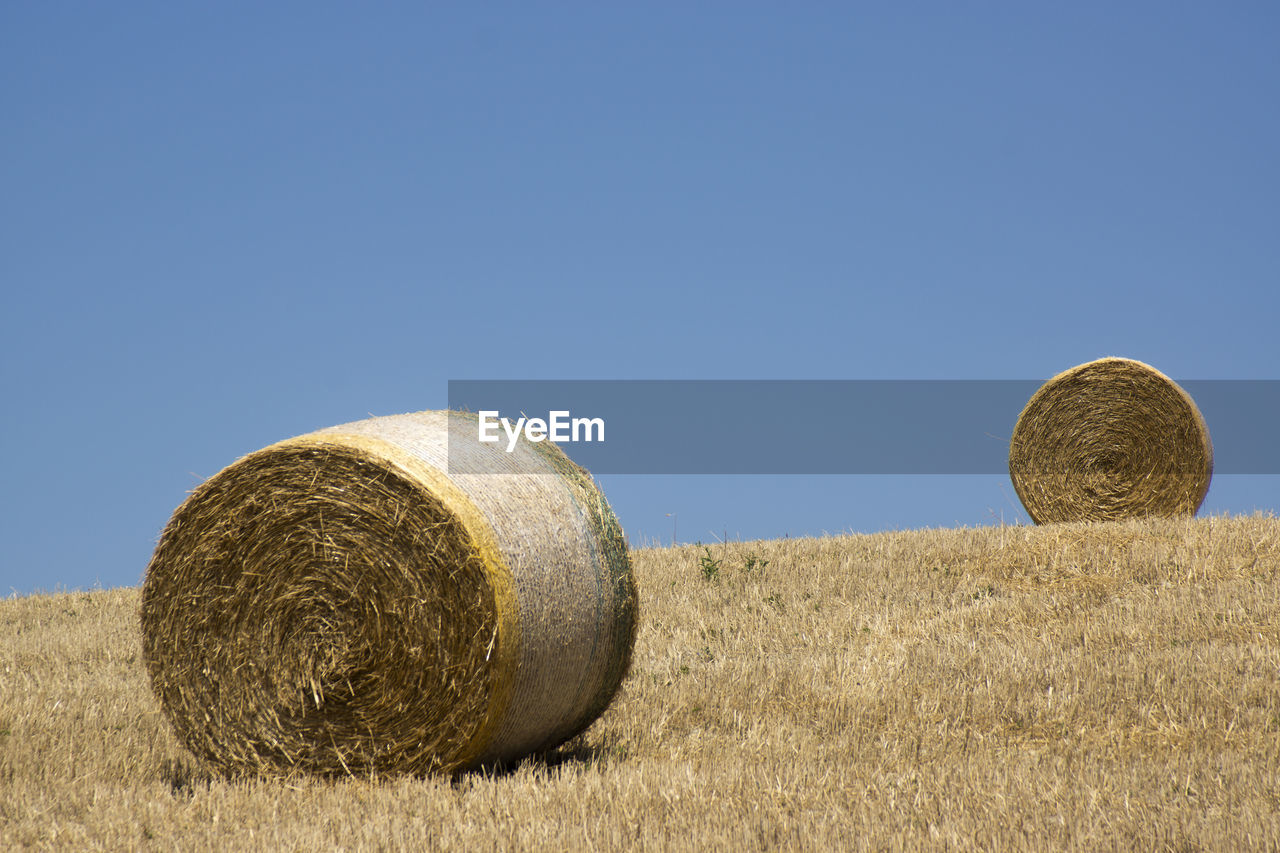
1108,440
1071,687
338,603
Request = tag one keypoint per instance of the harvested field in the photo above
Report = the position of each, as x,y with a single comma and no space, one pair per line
1074,687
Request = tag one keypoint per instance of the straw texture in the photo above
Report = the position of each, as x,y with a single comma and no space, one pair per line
1110,439
337,603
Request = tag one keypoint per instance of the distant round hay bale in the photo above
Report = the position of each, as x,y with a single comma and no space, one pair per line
339,604
1110,439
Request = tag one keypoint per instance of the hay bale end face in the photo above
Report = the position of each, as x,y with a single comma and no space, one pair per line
338,604
1107,440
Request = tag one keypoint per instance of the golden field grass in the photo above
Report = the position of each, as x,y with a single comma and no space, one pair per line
1067,687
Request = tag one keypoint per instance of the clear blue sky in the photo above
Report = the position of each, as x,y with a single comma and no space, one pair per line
225,224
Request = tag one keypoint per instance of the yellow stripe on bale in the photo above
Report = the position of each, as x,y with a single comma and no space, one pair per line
1107,440
338,603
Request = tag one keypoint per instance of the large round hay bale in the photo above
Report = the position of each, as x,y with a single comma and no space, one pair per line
1110,439
338,603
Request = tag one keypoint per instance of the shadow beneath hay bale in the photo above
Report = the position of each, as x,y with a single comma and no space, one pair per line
184,779
573,755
